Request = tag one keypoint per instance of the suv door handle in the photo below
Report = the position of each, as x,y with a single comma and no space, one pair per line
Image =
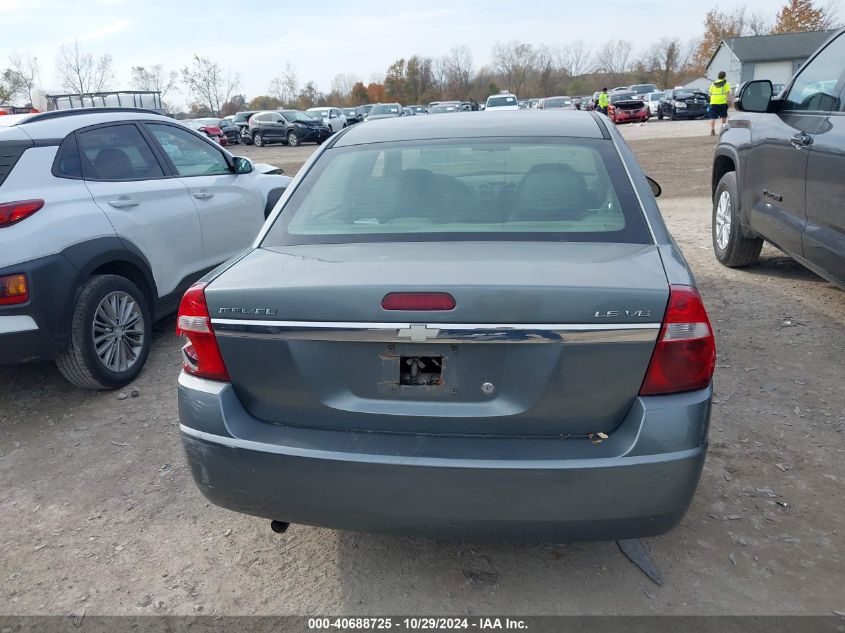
203,195
123,203
801,140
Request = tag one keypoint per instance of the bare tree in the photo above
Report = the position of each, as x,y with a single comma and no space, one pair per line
285,87
25,71
514,60
342,84
458,71
615,57
575,59
154,78
80,72
8,85
209,84
664,61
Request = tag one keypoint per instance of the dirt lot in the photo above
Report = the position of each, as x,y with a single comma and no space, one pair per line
98,512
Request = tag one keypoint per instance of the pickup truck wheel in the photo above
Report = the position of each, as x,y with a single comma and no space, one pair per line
731,247
110,334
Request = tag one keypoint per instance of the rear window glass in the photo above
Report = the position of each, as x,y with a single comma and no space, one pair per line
497,102
117,152
467,189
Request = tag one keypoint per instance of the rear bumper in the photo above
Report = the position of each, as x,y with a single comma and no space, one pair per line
637,483
639,115
39,328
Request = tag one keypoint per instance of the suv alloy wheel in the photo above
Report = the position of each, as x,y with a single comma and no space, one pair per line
110,334
731,247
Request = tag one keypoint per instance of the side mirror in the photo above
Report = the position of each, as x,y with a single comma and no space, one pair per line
243,165
656,190
755,96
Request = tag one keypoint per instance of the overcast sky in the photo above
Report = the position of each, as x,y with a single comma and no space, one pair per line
321,38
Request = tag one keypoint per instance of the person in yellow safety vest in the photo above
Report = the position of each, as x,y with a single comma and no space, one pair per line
720,95
603,101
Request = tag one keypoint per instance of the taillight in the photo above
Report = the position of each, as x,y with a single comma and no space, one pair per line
13,212
13,289
685,354
200,355
423,301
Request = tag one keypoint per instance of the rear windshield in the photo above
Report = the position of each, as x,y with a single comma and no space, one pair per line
556,189
497,102
385,109
557,102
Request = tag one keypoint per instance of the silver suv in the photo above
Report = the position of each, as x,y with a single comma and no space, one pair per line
106,217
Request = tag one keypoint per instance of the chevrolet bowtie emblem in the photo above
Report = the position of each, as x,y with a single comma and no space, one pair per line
418,333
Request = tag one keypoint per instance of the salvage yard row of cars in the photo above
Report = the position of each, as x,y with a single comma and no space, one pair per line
465,326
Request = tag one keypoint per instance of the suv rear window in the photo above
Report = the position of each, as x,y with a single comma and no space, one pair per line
497,102
464,189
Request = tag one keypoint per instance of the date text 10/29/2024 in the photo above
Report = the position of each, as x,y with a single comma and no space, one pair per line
416,624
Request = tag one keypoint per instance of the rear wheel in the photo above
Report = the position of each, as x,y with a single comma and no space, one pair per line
293,139
258,139
110,334
731,247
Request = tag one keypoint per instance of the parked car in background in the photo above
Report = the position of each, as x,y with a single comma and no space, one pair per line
580,412
641,90
779,167
501,103
332,118
418,109
533,103
291,127
626,107
564,103
385,111
778,89
106,217
353,115
230,130
683,103
443,109
241,119
584,104
652,100
365,109
211,130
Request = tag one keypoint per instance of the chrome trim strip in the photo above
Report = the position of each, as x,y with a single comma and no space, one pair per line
438,332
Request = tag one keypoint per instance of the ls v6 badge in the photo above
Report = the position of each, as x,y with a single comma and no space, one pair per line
612,314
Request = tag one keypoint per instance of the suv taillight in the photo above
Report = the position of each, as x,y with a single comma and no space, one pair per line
201,355
13,212
685,354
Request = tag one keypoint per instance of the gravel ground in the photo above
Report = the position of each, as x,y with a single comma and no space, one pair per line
98,513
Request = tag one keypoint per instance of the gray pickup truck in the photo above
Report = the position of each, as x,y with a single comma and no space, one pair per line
779,169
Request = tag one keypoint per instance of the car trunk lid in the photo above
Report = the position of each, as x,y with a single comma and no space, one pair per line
544,339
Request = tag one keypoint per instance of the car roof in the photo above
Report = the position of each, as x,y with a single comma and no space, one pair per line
474,125
60,123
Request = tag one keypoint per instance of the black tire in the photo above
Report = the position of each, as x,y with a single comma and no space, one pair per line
292,138
238,139
659,114
258,139
672,115
737,250
80,364
246,138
